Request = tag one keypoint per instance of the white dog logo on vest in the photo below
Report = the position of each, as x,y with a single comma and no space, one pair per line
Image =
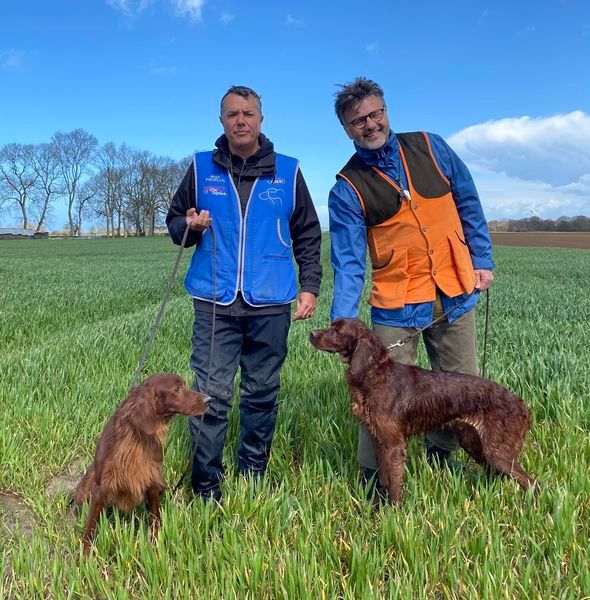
273,195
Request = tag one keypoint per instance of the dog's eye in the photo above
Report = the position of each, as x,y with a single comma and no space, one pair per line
177,388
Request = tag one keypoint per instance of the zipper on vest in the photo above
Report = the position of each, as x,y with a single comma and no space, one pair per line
242,238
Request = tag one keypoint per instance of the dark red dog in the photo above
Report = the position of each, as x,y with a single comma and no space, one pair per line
396,401
127,465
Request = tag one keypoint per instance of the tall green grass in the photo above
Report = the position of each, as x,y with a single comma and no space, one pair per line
74,318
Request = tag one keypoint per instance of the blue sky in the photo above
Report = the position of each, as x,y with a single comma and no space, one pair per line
507,83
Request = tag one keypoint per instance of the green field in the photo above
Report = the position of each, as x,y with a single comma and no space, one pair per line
74,318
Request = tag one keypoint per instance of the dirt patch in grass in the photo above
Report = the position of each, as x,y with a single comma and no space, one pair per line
65,483
15,515
542,239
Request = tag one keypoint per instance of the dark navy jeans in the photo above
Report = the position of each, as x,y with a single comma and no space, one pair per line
258,345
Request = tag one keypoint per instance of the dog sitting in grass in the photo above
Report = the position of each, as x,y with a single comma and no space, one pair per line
396,401
127,465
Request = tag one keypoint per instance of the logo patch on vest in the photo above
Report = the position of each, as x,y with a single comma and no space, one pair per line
275,181
214,190
273,195
212,185
215,179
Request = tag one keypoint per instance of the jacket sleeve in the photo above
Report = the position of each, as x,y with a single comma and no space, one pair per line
183,199
467,201
348,237
306,235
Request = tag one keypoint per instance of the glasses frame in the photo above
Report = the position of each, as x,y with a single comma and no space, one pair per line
361,122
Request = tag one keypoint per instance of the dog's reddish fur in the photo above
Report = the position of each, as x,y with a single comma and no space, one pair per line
396,401
127,464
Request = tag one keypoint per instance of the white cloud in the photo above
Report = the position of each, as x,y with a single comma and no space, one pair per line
227,18
159,68
525,162
554,150
294,21
11,60
129,8
191,8
506,197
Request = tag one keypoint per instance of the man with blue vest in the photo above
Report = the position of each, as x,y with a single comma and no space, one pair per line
261,213
413,203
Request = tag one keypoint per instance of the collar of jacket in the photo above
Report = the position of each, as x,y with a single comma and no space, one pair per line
261,164
386,156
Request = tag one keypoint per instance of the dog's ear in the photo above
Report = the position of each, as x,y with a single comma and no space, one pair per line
364,354
144,416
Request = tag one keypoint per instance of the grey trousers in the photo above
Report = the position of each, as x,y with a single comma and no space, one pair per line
450,347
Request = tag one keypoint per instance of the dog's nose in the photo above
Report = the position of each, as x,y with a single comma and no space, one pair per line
312,335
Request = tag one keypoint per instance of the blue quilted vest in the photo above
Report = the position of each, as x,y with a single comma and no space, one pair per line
253,253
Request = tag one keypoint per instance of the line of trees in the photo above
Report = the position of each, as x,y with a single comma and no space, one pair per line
125,189
578,223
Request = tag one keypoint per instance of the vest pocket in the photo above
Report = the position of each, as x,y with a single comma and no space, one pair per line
274,242
462,260
390,281
380,249
287,245
206,243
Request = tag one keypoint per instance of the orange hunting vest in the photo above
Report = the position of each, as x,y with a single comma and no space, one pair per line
415,245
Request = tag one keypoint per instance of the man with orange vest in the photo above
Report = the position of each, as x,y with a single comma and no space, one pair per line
413,203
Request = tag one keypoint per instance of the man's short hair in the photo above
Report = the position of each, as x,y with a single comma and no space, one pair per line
245,92
353,93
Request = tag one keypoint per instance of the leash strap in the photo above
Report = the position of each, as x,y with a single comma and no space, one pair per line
161,311
196,444
485,335
445,314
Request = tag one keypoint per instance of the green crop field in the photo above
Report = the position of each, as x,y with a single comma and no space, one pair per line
74,318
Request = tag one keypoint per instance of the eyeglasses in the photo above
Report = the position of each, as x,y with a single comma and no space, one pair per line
360,122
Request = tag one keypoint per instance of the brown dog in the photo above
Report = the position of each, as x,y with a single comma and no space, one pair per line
127,464
396,401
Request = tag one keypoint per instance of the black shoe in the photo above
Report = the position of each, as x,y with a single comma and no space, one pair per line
373,489
440,458
254,479
209,495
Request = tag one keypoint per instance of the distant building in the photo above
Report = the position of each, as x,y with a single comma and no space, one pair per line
8,233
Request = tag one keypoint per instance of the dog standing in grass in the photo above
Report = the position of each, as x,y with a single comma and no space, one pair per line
395,401
127,464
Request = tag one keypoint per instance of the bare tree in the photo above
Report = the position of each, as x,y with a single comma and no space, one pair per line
83,206
18,175
173,175
148,185
156,190
76,151
136,188
45,164
108,201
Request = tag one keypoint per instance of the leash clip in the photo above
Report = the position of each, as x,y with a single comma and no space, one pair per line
397,344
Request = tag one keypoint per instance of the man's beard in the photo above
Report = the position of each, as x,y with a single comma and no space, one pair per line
374,144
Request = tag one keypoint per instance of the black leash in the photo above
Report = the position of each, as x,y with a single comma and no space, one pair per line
419,331
445,314
485,335
157,325
161,311
196,444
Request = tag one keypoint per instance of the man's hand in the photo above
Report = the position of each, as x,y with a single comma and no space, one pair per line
306,302
198,221
483,279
